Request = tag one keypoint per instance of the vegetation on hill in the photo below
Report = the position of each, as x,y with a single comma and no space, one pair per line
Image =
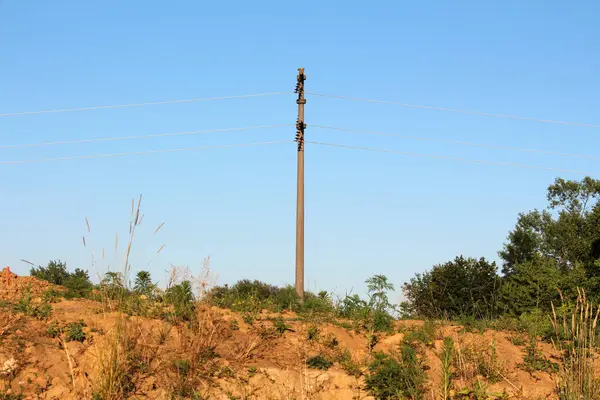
542,299
552,250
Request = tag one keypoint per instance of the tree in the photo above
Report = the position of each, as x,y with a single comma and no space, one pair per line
56,272
532,285
465,286
565,236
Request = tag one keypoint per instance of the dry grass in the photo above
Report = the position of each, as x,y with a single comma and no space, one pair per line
576,339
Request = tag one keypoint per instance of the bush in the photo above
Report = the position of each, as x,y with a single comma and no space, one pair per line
396,375
75,332
56,272
319,362
254,296
464,286
181,297
25,306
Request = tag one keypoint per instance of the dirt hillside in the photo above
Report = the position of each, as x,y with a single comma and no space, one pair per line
83,348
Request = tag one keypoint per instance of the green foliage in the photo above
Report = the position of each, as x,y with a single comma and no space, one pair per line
254,296
78,282
74,332
319,362
374,314
396,376
312,333
560,242
143,284
535,361
181,297
465,286
445,355
348,364
26,306
425,334
54,329
280,326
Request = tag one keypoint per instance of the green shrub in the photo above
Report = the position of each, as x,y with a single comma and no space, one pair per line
54,329
348,364
78,282
25,306
75,333
181,297
396,375
280,326
319,362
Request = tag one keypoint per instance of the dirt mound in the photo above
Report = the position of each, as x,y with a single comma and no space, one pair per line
18,285
72,356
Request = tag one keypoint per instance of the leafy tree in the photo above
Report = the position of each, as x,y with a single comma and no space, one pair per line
562,240
532,285
465,286
56,272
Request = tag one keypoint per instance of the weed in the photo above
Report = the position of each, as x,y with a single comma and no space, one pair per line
319,362
51,296
445,356
54,329
75,333
234,325
397,375
575,337
535,361
249,319
425,334
478,358
252,371
26,306
280,326
312,333
348,364
330,341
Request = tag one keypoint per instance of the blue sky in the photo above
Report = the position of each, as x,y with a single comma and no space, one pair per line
366,212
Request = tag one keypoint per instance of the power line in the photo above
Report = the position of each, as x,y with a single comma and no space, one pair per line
455,110
90,156
501,163
151,103
457,142
155,135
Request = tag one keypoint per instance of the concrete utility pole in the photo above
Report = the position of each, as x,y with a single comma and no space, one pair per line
300,126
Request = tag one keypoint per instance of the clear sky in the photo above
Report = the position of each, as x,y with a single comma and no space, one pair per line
366,212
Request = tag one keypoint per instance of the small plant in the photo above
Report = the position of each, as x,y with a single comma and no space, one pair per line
252,371
51,296
234,325
319,362
313,333
75,333
424,335
280,326
248,319
348,364
535,361
26,306
54,329
331,341
397,375
445,356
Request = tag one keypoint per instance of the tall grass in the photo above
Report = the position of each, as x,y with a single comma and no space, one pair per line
576,339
